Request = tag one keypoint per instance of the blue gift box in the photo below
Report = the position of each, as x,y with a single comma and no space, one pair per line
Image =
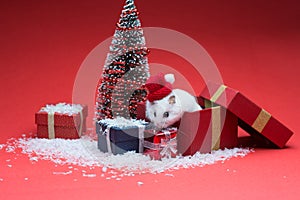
119,140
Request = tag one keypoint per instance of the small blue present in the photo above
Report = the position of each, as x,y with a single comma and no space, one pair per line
118,136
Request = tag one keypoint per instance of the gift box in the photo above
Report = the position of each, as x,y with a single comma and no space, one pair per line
251,117
209,129
62,120
118,136
141,111
164,144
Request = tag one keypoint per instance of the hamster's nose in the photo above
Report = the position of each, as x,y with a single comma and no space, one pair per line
158,125
161,125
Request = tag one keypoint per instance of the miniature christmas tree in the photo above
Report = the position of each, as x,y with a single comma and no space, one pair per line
125,70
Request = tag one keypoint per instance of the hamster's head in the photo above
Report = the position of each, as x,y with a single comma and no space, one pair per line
165,112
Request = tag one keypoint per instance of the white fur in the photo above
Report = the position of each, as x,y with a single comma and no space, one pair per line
184,102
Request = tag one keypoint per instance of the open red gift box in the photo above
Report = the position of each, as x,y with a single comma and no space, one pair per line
215,127
252,118
209,129
59,125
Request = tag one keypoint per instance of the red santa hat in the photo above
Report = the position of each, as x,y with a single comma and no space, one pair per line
158,87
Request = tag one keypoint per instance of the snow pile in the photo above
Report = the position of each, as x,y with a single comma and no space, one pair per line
121,122
62,108
84,152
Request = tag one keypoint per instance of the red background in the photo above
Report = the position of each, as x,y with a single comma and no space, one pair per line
255,45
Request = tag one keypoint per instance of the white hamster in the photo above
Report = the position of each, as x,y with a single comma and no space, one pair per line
168,110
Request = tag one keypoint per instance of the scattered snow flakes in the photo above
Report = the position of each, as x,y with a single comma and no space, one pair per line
140,183
10,149
171,175
10,166
2,146
75,179
83,152
118,179
122,122
26,179
62,108
104,169
234,171
1,179
284,177
62,173
89,175
34,158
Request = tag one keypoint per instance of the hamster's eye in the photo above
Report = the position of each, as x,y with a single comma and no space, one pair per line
154,114
166,114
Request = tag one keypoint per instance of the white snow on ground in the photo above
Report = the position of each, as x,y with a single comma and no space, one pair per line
84,152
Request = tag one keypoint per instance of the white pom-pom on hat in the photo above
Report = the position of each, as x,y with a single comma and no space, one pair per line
170,78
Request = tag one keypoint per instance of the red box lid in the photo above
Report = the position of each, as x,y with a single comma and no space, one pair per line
252,118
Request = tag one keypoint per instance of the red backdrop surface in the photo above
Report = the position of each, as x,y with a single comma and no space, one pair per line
255,44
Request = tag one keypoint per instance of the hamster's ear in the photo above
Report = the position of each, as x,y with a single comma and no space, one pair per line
170,78
172,100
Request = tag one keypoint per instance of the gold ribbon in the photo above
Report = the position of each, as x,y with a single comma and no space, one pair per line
216,127
51,129
107,135
218,93
141,138
81,122
51,133
207,103
261,120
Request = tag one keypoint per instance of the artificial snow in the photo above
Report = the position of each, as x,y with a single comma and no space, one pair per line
121,122
84,152
62,108
140,183
63,173
89,175
104,169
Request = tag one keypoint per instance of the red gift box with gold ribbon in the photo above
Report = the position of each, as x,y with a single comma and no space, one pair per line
252,118
163,145
63,124
209,129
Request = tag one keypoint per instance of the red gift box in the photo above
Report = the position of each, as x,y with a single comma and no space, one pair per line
209,129
164,144
197,131
58,125
164,135
252,118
